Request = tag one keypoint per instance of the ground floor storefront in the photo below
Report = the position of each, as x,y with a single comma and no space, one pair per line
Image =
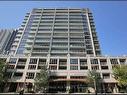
64,87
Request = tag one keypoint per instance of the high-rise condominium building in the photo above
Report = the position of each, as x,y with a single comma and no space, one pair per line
64,40
58,32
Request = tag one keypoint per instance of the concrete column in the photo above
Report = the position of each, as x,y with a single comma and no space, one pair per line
68,87
18,88
115,89
103,87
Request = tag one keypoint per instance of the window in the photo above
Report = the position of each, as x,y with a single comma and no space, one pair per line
104,67
22,61
18,74
83,67
106,75
53,61
33,61
13,60
114,61
73,67
83,61
89,51
89,46
88,41
122,61
20,67
73,61
30,75
40,67
33,67
62,61
53,67
62,67
95,67
103,61
42,61
94,61
10,66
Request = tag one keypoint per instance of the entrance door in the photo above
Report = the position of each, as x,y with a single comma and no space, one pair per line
77,87
56,87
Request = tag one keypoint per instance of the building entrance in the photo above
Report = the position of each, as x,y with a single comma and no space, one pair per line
76,87
56,87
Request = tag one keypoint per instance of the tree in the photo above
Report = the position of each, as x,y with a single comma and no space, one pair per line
2,74
120,74
94,78
42,79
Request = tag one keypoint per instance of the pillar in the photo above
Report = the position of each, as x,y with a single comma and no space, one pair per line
68,87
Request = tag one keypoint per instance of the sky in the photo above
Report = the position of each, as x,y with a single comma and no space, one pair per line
110,19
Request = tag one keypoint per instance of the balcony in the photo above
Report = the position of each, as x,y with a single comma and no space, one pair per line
29,41
40,51
32,32
77,41
77,47
59,51
39,46
42,41
28,46
60,40
59,47
15,44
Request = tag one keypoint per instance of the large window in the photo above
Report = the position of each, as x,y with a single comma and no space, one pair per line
18,74
13,60
73,67
33,67
30,75
22,60
53,61
94,61
106,75
33,61
114,61
83,61
73,61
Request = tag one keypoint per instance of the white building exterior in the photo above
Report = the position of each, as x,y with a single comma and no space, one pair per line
66,41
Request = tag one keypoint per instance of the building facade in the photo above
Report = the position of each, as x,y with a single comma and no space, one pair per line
11,41
65,72
66,41
58,32
6,39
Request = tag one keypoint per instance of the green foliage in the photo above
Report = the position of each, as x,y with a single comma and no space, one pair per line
42,79
93,76
94,80
1,70
2,75
120,74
